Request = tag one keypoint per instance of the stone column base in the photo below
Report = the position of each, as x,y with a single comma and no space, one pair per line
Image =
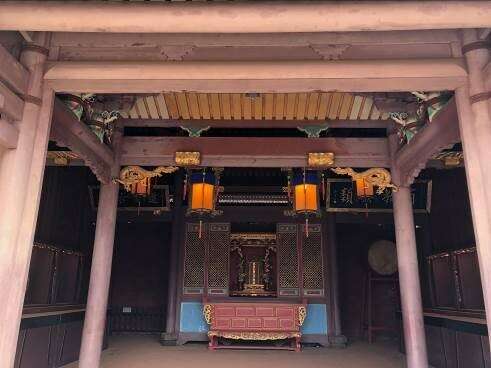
168,339
339,341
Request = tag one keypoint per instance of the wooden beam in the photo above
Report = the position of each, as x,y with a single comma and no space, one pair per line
442,132
9,134
255,124
138,41
10,104
242,17
264,76
12,72
68,131
255,152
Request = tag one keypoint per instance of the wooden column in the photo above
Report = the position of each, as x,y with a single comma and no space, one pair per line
410,289
100,274
475,132
21,176
407,261
336,337
170,336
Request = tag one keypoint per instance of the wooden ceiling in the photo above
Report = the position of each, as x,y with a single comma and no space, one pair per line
267,106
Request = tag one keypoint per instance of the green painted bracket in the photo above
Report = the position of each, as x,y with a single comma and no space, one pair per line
313,131
195,131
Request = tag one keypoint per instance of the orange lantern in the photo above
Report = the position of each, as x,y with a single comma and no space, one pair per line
202,199
306,194
363,188
203,194
141,188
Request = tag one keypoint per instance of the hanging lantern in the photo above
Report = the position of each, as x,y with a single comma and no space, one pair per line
141,188
306,194
203,194
202,198
363,188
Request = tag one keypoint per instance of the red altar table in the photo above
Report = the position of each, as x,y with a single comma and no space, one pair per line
254,321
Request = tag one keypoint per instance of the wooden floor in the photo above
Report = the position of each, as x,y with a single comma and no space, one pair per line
146,352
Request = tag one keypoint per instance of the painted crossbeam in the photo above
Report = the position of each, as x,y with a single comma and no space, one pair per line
69,132
254,124
242,17
255,152
442,132
9,135
258,76
13,72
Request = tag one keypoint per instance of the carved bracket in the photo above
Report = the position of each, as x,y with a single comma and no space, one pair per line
133,174
441,133
378,177
195,131
313,131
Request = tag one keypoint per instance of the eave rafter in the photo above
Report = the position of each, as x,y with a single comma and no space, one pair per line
441,133
69,132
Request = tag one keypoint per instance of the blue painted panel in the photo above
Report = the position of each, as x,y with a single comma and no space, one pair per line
316,321
192,319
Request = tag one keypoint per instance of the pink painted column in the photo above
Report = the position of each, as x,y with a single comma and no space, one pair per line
473,108
21,176
409,284
407,261
100,274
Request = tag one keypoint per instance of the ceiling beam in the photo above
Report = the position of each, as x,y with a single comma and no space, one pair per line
263,76
12,72
255,152
138,40
441,133
9,135
242,17
254,124
67,131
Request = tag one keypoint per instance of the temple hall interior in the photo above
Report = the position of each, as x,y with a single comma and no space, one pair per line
248,184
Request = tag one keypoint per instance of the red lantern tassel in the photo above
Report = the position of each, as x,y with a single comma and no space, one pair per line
323,188
184,190
307,227
200,226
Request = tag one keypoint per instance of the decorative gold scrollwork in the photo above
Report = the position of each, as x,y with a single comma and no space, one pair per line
133,174
256,336
302,314
320,159
187,158
208,313
377,176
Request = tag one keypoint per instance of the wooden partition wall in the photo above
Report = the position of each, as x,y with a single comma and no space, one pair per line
455,324
52,322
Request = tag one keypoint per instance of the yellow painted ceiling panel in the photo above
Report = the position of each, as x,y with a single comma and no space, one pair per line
268,106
